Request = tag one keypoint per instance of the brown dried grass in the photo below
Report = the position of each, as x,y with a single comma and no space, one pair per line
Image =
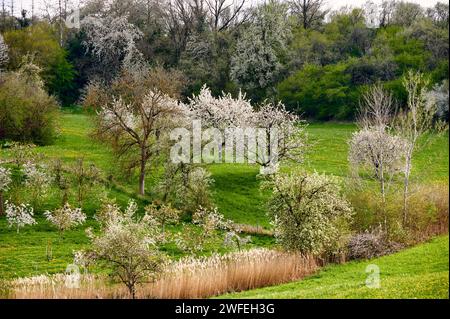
187,279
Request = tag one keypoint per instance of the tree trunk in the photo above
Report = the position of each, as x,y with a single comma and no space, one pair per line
406,187
142,173
132,290
383,194
405,194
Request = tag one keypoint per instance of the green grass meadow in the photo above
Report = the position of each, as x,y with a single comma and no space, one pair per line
236,192
417,273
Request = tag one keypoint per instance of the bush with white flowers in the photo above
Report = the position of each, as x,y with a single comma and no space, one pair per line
5,178
66,217
309,213
194,239
19,216
127,244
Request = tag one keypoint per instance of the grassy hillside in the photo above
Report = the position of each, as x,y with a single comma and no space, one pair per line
236,191
420,272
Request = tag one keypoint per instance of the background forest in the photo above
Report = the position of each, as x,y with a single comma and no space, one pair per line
316,61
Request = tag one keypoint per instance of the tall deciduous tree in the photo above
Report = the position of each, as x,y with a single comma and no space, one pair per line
256,65
416,120
140,117
406,13
439,14
375,147
310,13
113,42
386,11
282,127
224,13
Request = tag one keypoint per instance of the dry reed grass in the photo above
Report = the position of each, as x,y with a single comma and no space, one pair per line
429,210
187,279
254,230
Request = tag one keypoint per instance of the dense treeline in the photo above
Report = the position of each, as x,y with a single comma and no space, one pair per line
318,62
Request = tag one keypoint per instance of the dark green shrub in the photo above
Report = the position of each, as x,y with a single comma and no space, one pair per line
27,112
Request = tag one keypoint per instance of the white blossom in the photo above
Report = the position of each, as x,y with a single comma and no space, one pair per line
308,212
19,216
4,58
119,116
256,63
379,151
66,217
234,240
291,138
226,112
5,179
112,40
222,112
127,243
36,177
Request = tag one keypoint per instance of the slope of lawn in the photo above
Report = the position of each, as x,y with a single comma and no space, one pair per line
239,197
236,191
420,272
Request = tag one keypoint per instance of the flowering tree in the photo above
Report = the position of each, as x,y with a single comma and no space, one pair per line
127,244
221,112
112,40
141,123
286,130
233,239
22,154
66,217
256,63
414,122
5,180
19,216
37,180
163,215
282,128
308,212
207,221
198,191
380,152
186,186
375,147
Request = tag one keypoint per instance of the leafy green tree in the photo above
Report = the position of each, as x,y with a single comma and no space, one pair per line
406,13
27,112
41,42
349,33
320,92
